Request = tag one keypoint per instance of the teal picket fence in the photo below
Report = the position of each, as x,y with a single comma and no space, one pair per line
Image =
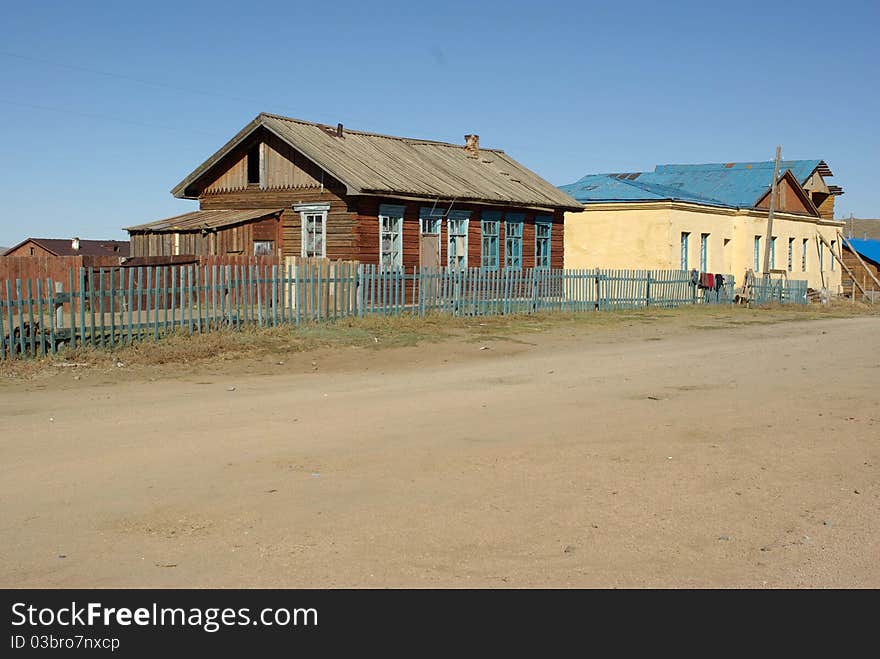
110,307
779,291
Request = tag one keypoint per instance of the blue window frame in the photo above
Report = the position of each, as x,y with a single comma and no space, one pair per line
513,233
790,254
430,221
543,229
804,256
757,253
685,236
490,223
833,252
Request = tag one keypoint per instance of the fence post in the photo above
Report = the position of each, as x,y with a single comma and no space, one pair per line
59,306
359,286
648,290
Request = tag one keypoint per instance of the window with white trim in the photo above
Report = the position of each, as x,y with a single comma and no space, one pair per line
543,227
833,252
685,237
704,252
457,239
513,233
314,229
264,247
790,254
804,255
757,253
773,253
391,236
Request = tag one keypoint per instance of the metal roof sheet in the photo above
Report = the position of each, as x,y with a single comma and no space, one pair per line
867,249
205,219
733,185
374,164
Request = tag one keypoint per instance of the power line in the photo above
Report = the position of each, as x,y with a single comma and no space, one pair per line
121,76
105,117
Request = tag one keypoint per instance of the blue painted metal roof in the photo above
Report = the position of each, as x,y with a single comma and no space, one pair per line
867,249
732,185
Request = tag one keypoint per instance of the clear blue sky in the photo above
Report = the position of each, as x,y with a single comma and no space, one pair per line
105,106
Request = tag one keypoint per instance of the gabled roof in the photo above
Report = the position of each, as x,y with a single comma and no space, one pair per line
207,219
64,247
867,249
729,185
374,164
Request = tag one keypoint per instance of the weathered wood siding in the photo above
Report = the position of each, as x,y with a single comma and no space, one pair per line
862,276
341,242
826,208
231,174
367,230
236,239
281,167
284,167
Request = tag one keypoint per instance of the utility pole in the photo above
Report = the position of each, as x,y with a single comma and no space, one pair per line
769,239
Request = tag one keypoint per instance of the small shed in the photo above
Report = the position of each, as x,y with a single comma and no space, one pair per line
246,232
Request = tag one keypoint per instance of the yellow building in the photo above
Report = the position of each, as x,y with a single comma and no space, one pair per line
712,218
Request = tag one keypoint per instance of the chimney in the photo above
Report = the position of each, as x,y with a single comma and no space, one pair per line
472,145
74,244
338,130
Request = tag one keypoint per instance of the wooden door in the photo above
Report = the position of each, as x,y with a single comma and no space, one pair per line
429,250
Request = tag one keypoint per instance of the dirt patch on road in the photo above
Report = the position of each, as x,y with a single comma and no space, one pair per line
619,449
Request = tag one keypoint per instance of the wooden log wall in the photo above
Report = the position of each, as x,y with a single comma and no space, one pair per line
367,249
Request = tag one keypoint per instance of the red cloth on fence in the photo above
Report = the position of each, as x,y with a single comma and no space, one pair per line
704,280
711,278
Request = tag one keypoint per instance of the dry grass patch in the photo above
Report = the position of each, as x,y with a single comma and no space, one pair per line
378,333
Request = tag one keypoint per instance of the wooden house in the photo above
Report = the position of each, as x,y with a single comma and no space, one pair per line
286,187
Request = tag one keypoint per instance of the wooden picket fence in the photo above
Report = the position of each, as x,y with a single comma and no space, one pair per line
478,292
108,307
779,291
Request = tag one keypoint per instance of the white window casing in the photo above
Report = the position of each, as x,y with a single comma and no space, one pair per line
391,235
313,219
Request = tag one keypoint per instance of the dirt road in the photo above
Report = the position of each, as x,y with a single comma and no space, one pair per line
651,455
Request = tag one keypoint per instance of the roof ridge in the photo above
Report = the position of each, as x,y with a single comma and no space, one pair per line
411,140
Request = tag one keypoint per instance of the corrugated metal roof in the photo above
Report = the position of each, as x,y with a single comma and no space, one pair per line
731,185
374,164
205,219
867,249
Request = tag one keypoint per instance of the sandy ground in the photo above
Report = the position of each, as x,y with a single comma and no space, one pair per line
644,455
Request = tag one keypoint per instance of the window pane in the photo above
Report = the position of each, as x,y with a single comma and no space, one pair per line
513,244
391,241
